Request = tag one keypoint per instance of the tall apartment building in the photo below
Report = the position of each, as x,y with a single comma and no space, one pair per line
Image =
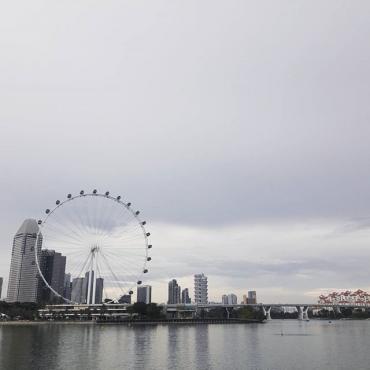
52,265
174,292
144,294
200,289
23,285
229,299
67,291
252,297
232,299
77,290
185,298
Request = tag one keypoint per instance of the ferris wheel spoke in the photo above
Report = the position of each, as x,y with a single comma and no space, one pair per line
66,243
124,265
57,230
115,279
71,225
64,230
81,267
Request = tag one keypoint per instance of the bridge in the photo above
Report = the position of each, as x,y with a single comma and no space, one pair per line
302,308
177,311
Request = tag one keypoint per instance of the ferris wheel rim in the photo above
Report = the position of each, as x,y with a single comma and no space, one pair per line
95,193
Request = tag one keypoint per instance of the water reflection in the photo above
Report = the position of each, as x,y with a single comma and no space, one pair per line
341,345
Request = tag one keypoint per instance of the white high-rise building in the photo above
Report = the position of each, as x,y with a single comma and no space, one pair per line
200,289
23,276
232,299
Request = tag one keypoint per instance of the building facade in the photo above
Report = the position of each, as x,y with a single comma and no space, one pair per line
229,299
77,290
185,298
144,294
232,299
126,298
52,266
23,285
174,292
200,289
67,291
252,297
1,286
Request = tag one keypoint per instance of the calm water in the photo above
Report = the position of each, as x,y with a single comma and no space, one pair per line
304,345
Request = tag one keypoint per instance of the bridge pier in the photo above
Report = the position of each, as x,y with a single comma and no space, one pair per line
305,313
300,312
267,312
337,310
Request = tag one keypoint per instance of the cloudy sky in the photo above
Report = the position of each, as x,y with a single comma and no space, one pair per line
240,129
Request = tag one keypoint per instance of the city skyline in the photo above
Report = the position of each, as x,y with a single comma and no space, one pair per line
160,289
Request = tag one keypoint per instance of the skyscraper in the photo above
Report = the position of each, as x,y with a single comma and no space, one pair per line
174,292
23,276
1,285
185,296
67,286
77,290
200,289
52,265
229,299
144,294
252,297
232,299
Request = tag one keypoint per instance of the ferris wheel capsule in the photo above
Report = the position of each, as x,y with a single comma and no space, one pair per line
39,222
106,193
57,202
128,204
150,246
47,211
149,259
119,197
82,192
95,191
69,196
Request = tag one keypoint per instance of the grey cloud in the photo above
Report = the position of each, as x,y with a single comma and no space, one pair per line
206,113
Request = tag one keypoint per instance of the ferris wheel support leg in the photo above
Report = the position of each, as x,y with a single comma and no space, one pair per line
90,279
94,280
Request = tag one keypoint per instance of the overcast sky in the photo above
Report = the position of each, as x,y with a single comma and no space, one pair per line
240,129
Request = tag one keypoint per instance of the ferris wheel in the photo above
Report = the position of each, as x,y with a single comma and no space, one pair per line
102,242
